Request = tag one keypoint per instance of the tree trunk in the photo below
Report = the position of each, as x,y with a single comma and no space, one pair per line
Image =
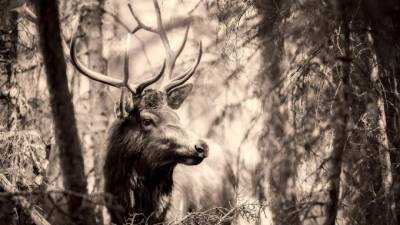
8,60
8,107
91,28
340,119
278,153
385,25
66,133
364,162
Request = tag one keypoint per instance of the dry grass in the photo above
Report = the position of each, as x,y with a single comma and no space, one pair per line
23,158
249,212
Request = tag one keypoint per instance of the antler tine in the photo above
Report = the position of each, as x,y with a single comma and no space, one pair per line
160,26
183,75
164,39
127,73
137,89
140,24
93,74
180,49
181,79
171,56
174,56
150,81
163,36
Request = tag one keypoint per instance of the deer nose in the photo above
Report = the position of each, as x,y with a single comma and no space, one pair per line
202,148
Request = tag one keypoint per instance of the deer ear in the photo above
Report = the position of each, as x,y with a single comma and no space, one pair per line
176,96
125,105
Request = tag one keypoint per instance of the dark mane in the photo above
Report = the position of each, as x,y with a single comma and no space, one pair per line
135,183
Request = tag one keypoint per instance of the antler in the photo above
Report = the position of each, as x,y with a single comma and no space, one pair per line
134,88
171,56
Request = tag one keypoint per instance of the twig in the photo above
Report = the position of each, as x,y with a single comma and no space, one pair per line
225,217
29,209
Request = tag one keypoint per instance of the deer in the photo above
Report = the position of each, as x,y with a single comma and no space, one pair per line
147,141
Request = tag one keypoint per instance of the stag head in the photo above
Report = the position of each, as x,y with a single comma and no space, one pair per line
151,116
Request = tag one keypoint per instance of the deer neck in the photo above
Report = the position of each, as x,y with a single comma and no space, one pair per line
151,191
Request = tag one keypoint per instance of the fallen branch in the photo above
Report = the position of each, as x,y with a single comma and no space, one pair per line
28,208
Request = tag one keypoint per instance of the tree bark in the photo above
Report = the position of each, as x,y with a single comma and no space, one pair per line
100,109
66,133
91,26
278,154
385,26
340,120
8,60
8,106
365,162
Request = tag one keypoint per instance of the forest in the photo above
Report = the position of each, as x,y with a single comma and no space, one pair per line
264,112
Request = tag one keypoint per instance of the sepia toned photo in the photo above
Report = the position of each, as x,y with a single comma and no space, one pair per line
199,112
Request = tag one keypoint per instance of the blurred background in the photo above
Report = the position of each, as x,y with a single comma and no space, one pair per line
299,98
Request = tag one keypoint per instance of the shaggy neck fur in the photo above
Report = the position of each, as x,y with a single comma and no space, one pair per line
136,186
151,193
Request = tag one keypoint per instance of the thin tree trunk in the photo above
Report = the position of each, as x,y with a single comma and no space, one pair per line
66,133
8,107
340,119
364,163
278,154
385,24
91,27
8,61
386,169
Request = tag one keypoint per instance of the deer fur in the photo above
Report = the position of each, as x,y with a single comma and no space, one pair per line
139,170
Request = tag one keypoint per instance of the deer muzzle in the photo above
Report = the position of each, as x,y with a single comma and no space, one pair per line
193,154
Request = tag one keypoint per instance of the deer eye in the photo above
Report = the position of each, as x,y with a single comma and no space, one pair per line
147,122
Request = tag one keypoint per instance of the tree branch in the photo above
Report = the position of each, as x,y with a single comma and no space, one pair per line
29,209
